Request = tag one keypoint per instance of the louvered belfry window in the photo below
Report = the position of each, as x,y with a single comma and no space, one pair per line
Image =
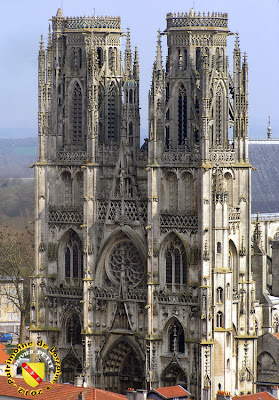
77,114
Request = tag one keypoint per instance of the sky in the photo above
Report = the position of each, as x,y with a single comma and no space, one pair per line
23,21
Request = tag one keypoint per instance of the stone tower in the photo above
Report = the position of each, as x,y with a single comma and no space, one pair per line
88,292
143,275
200,288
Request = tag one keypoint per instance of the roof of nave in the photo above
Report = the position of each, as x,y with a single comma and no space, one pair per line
264,156
59,391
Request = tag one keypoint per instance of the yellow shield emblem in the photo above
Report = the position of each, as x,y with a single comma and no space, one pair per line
33,373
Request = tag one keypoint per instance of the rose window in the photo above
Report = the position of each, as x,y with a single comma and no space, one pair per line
125,261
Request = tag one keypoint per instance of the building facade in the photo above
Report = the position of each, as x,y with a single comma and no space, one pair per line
143,264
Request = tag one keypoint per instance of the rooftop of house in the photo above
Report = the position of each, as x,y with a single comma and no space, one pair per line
171,392
255,396
58,391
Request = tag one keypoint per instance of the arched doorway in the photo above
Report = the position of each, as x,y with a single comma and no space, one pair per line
123,368
174,375
71,368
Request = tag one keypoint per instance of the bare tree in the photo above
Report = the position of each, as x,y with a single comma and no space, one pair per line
16,266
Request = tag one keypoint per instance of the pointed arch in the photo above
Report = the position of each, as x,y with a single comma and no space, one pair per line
176,336
174,375
170,191
229,187
70,257
77,128
121,244
112,113
78,194
182,115
123,366
233,264
175,259
66,189
187,197
220,117
71,368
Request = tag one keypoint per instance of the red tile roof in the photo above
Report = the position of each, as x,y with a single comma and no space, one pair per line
3,354
57,392
255,396
170,392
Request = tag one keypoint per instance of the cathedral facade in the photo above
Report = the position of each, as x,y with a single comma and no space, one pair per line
143,265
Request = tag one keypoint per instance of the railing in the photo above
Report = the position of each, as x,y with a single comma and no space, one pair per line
175,298
71,156
180,222
65,215
111,294
234,215
224,156
181,158
93,22
65,292
192,19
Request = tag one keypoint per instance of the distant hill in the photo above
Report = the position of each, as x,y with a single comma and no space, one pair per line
16,155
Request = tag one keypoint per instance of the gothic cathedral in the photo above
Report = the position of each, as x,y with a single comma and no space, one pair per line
143,272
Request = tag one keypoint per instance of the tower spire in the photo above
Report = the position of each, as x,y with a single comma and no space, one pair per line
159,65
269,132
128,55
42,43
49,36
136,65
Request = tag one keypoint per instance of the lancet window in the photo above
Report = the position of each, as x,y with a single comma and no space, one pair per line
77,114
73,260
219,116
73,330
176,264
182,115
112,113
176,338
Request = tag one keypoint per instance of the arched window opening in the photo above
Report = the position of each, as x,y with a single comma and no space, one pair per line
73,257
131,134
182,116
100,56
219,247
176,338
176,264
233,266
229,188
73,330
219,319
198,58
167,92
167,139
228,290
219,296
185,59
219,116
112,114
67,262
77,115
228,364
173,192
188,201
66,190
80,57
131,96
168,267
